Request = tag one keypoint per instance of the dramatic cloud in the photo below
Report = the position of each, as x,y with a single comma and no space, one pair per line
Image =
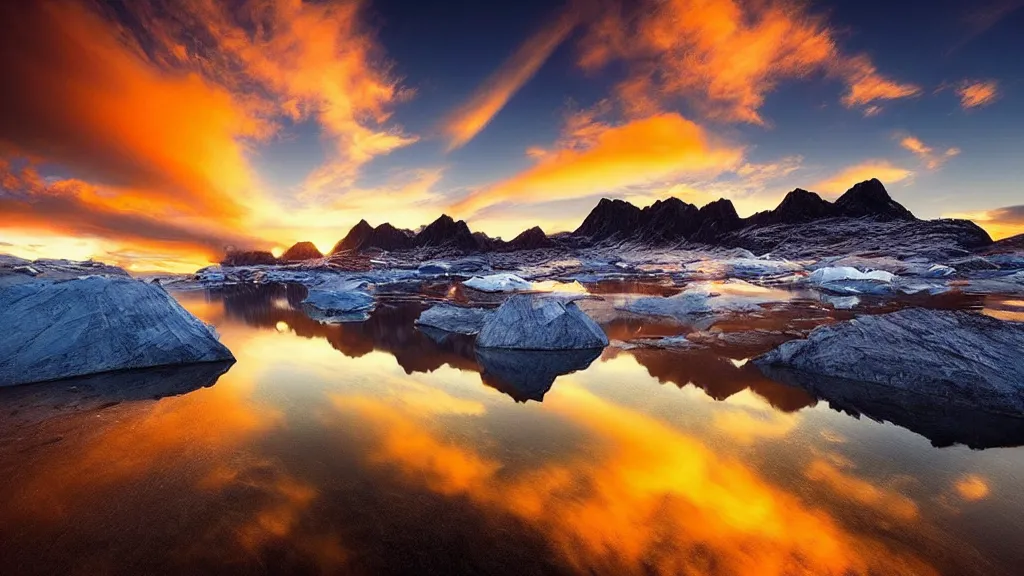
1000,222
724,56
149,112
928,156
975,93
470,118
305,59
597,158
847,177
29,204
75,95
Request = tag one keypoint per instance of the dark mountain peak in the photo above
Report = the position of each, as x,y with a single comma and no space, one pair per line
797,207
669,220
720,210
716,218
387,237
531,239
445,231
870,199
608,218
355,238
301,251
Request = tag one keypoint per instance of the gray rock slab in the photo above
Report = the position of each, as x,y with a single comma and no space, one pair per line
529,322
60,329
964,357
333,306
455,319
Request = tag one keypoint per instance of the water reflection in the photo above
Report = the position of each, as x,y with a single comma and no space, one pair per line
391,456
945,420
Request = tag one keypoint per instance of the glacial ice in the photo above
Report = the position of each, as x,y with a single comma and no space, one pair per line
530,322
65,328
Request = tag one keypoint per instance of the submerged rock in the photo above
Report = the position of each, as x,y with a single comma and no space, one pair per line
455,319
526,322
338,306
60,329
962,357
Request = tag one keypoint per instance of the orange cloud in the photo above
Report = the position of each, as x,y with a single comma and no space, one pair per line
30,205
724,56
470,118
975,93
77,96
314,60
866,85
999,223
926,153
847,177
595,158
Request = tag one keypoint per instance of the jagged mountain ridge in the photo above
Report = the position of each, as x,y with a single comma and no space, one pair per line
802,216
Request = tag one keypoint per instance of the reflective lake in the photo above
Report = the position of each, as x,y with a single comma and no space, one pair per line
370,448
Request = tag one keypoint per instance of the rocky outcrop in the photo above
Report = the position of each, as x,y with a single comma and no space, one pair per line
454,319
301,251
334,306
249,258
962,357
526,322
929,239
66,328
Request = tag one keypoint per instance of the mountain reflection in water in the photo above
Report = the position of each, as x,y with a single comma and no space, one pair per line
373,448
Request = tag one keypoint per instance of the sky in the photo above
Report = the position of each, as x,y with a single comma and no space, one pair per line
156,134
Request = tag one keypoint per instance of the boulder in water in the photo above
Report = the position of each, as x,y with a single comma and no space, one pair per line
526,322
454,319
66,328
338,305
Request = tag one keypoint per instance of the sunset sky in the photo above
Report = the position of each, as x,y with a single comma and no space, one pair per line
153,134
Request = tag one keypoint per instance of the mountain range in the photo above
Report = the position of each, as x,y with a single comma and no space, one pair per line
865,217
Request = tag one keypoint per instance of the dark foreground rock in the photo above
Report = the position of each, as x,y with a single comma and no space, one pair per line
960,358
66,328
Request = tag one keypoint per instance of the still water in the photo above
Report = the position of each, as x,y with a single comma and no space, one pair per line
369,448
